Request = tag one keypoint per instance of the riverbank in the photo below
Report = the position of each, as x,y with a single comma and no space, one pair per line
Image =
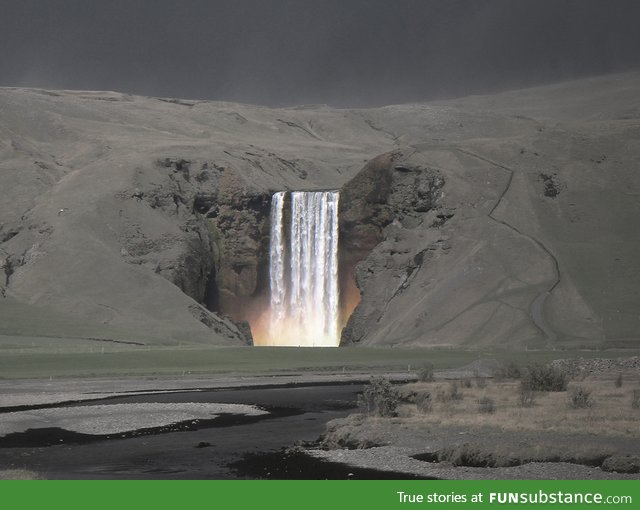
492,428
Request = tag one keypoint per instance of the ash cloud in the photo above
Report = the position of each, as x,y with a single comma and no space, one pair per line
286,52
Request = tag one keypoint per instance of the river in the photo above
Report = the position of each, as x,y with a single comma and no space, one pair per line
228,448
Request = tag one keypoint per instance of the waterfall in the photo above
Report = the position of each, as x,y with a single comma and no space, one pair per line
276,260
304,274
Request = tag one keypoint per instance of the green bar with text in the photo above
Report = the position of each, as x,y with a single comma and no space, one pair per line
308,495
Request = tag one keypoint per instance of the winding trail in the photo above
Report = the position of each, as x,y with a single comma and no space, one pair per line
536,308
394,137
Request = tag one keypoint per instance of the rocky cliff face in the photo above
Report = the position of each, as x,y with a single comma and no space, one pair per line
125,217
466,245
391,194
501,220
220,259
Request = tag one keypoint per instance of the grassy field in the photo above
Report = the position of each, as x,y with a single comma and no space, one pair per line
610,412
486,423
34,357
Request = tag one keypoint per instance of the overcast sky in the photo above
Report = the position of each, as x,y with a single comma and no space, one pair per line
340,52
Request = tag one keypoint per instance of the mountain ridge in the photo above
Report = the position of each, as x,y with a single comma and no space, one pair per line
134,215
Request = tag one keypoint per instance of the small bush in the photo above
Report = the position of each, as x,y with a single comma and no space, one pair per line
618,381
468,455
580,398
510,371
379,398
466,383
424,402
426,373
453,393
635,400
486,405
408,396
527,396
545,378
481,382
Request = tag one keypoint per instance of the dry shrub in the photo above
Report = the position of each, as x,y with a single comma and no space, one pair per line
424,402
580,398
379,398
510,371
618,382
486,405
453,393
426,373
545,378
527,396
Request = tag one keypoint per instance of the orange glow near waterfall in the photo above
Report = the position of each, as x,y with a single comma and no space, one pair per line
350,298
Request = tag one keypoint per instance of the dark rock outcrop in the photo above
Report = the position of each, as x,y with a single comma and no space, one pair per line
365,211
389,195
240,229
221,257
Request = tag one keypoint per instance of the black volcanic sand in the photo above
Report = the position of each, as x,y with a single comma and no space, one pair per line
289,464
222,448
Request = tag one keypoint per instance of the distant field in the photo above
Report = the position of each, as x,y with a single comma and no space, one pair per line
35,357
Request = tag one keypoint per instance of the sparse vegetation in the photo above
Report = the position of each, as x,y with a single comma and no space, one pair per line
527,396
468,455
424,402
426,373
486,405
481,382
552,431
545,378
580,398
618,381
518,407
379,398
510,371
476,455
466,383
453,393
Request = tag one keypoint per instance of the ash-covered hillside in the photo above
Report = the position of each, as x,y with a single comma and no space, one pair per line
504,220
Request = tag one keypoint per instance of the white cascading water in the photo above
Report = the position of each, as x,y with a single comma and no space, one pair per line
276,260
304,274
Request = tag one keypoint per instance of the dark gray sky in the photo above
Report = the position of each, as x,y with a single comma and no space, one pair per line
340,52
